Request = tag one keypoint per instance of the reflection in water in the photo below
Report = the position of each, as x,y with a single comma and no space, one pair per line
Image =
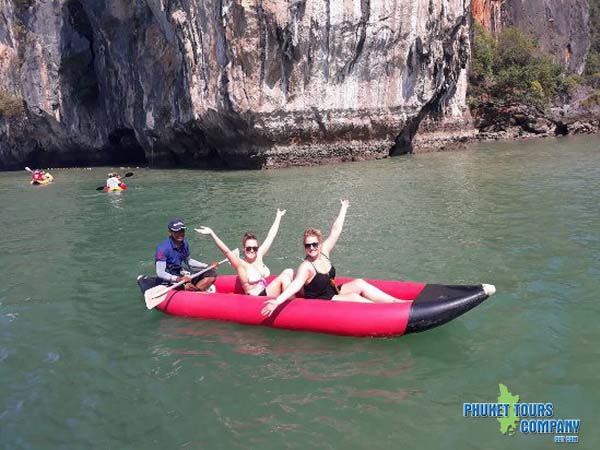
276,355
116,199
301,382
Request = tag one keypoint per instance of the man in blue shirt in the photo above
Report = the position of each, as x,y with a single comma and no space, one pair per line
173,255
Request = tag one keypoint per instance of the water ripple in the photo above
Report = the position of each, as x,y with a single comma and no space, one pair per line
84,360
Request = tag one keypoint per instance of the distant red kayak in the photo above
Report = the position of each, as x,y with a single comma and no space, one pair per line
432,305
122,187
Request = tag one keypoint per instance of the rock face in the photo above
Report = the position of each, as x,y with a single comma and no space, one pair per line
226,83
562,30
515,121
560,26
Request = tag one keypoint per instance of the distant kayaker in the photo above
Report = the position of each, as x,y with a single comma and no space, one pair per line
251,270
40,177
316,274
114,181
173,256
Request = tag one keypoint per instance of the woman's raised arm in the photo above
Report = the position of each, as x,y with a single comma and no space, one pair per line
234,260
266,245
336,229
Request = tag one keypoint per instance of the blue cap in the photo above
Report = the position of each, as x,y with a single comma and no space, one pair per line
176,225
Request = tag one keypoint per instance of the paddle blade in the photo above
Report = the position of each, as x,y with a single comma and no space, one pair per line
128,174
100,188
28,169
156,295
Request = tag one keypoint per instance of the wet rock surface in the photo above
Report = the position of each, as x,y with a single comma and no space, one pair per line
522,121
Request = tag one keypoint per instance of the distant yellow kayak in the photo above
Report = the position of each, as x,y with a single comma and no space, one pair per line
47,178
122,187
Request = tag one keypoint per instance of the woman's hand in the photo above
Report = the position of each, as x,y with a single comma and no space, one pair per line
270,306
280,212
203,230
345,203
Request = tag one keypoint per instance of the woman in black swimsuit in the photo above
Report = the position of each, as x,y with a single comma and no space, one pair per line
317,275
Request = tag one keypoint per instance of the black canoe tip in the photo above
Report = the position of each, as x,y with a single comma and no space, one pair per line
145,282
438,304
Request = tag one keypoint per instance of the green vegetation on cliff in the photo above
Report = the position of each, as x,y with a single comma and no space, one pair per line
511,68
592,67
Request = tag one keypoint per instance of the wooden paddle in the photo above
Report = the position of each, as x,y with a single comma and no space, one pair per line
156,295
127,175
31,171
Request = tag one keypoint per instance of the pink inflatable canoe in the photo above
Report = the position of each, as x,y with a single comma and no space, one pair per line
432,305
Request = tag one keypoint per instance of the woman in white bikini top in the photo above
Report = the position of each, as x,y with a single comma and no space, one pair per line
251,270
256,277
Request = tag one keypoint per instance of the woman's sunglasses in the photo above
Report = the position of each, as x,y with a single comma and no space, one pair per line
251,249
308,245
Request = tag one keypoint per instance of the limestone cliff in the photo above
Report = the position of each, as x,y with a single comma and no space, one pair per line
560,26
244,83
562,30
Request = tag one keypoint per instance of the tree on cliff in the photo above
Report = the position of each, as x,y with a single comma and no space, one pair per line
511,69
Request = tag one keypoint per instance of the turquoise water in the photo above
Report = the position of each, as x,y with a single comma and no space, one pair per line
83,364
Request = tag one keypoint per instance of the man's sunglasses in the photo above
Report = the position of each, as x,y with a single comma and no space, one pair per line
308,245
251,249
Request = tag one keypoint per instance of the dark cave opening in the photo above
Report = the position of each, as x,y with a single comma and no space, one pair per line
124,148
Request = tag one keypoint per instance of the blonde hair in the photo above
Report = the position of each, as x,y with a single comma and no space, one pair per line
313,232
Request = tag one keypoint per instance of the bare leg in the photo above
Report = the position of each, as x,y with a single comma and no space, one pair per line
205,283
368,291
278,285
350,298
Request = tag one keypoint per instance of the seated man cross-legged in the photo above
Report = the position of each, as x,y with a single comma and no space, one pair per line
173,257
